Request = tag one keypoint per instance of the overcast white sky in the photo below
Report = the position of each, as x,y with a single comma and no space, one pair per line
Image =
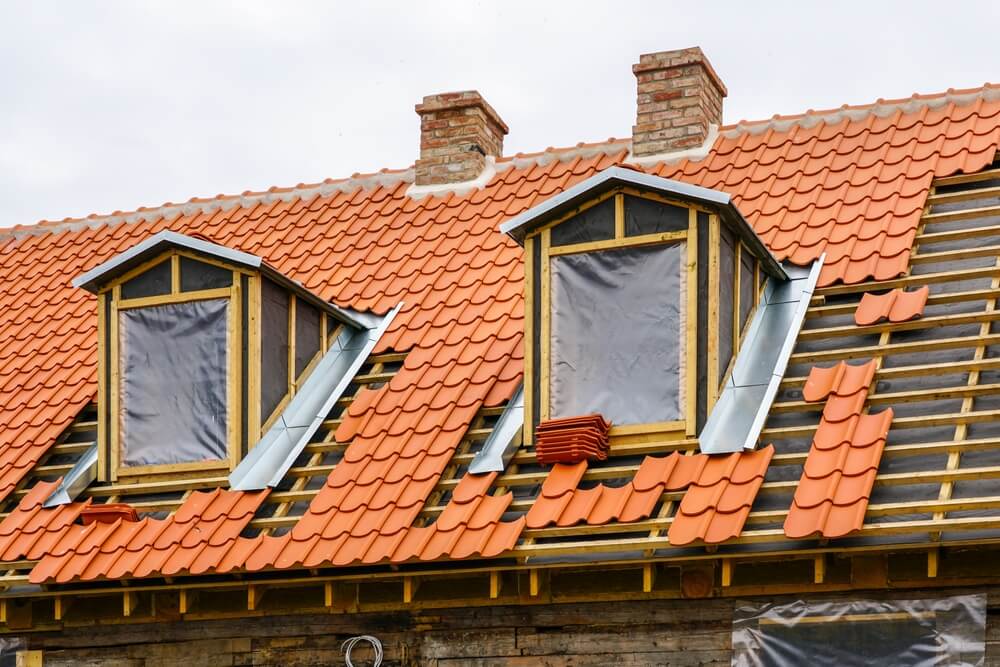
115,105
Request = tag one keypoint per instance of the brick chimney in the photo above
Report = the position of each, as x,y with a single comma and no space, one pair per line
457,132
679,96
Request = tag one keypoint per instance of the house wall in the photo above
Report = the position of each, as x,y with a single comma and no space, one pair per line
638,632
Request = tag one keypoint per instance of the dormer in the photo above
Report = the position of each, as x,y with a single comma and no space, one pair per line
639,292
200,349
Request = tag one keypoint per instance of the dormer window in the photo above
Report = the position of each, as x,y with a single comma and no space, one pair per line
638,292
201,348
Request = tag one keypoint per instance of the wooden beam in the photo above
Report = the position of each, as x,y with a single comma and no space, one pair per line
932,563
255,594
534,582
186,601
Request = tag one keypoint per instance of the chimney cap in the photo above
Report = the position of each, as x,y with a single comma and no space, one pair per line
459,100
660,60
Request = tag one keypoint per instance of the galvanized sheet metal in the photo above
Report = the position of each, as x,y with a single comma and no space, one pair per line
739,415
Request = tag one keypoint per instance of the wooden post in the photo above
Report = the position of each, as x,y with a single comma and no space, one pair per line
328,596
932,563
255,594
130,601
186,601
727,572
648,577
534,583
496,584
410,586
819,568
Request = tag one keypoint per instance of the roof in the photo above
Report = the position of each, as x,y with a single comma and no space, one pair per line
852,183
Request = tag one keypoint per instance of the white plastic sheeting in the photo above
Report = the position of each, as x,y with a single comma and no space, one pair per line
845,633
617,340
173,382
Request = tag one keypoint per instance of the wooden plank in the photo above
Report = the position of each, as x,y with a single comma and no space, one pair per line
954,255
963,214
612,244
175,273
619,216
253,362
183,297
974,177
940,198
544,368
868,351
103,395
908,281
691,327
114,447
529,337
910,325
714,243
952,235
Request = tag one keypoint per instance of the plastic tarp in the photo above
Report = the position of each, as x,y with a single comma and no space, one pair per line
617,342
727,300
845,633
274,347
173,382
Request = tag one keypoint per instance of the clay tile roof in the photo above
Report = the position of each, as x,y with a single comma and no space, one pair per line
572,439
851,183
840,469
717,503
893,306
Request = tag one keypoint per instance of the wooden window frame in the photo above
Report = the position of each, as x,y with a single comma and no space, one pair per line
676,429
109,436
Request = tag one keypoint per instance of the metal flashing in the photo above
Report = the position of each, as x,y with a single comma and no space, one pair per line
738,417
518,226
503,441
76,480
145,250
266,464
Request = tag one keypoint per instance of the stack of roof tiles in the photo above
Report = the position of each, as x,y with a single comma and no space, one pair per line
849,182
572,439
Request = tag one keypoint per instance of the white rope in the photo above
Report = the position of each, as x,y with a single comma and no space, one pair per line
348,645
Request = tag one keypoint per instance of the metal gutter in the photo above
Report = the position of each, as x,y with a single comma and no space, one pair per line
76,480
266,464
161,241
503,441
738,417
565,201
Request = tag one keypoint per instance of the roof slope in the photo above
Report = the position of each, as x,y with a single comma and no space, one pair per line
852,186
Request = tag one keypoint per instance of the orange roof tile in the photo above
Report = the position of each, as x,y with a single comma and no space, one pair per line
717,503
561,502
194,539
851,183
832,495
893,306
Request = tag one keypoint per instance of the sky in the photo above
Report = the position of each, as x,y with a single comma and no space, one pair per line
114,105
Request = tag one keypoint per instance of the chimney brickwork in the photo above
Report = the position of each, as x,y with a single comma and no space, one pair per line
679,97
457,132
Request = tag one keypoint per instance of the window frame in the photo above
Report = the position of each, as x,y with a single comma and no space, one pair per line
109,452
677,429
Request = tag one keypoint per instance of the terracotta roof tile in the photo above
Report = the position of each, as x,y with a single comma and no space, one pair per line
562,503
717,503
893,306
840,469
853,188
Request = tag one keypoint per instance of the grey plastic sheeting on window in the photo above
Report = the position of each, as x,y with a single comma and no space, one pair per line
845,633
173,382
617,343
727,300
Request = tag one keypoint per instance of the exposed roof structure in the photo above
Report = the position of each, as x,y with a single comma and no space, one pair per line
892,437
